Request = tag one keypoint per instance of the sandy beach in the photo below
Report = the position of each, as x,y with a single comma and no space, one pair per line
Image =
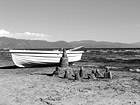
69,52
30,86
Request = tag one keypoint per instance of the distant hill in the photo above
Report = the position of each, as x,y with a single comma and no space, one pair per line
137,43
30,44
102,44
6,42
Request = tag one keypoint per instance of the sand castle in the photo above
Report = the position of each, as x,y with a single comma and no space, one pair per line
64,71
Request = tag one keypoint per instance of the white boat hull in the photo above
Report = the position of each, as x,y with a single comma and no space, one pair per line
28,58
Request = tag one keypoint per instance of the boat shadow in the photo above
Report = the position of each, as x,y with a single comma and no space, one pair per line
48,74
16,67
38,70
9,67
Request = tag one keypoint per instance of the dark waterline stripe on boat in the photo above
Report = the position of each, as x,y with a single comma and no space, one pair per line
42,53
41,56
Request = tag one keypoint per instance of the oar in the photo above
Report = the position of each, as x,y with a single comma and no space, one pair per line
76,48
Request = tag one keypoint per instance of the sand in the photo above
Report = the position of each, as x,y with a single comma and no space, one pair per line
29,87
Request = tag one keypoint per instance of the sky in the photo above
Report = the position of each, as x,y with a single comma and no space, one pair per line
71,20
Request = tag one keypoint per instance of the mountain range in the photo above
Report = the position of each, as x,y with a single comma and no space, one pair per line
6,42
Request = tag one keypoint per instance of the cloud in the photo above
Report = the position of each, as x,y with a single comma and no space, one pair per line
25,35
3,32
34,34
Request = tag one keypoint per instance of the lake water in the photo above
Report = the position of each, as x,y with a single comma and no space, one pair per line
125,58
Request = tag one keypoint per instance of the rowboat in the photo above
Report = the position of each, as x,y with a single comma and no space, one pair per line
30,58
